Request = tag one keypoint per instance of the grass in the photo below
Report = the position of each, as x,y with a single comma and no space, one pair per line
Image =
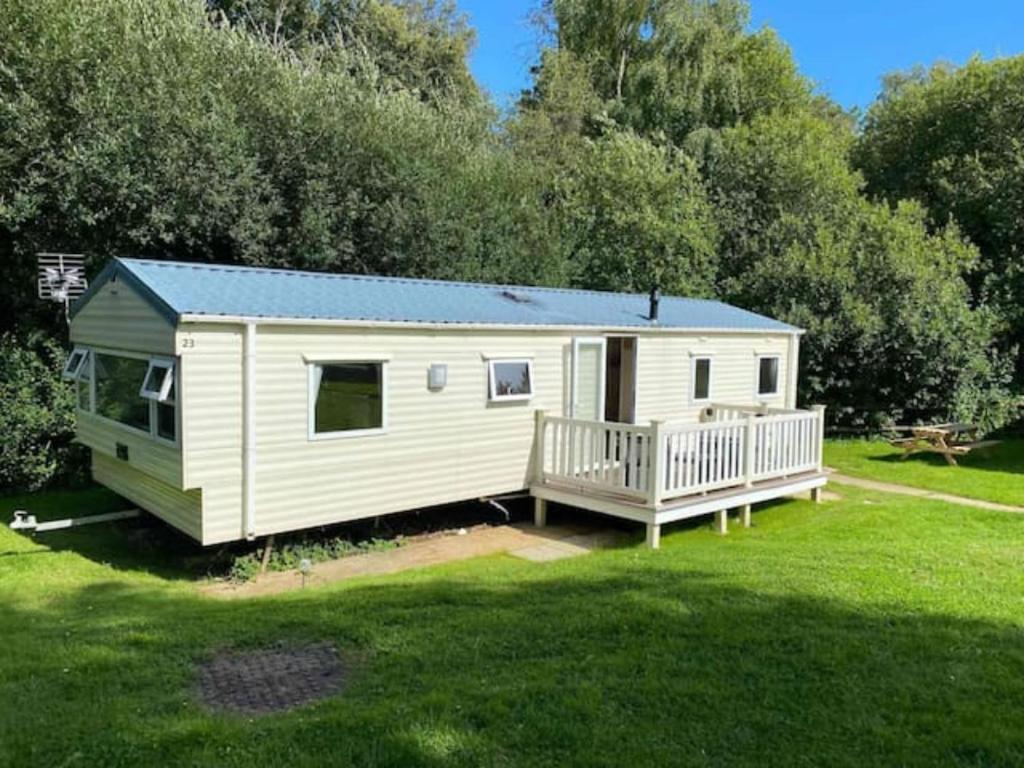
994,474
871,631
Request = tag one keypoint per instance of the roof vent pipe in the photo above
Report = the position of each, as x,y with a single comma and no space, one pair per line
655,300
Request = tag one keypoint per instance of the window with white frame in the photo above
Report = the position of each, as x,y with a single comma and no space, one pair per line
78,358
510,380
347,398
83,384
700,375
135,391
158,381
767,375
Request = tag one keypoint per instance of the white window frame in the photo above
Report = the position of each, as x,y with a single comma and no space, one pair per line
693,378
313,386
492,395
86,366
778,377
159,395
82,354
151,432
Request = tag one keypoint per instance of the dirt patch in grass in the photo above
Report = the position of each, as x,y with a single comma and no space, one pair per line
260,682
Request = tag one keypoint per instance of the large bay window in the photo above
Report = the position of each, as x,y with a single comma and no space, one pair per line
136,391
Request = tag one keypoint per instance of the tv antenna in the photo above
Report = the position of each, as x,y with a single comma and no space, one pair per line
61,278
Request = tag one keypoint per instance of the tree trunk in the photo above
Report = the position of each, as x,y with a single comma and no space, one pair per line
622,75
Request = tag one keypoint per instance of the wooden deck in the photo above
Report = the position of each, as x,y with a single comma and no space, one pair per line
663,472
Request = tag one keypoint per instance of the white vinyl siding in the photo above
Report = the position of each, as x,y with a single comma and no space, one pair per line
116,319
665,360
182,509
440,446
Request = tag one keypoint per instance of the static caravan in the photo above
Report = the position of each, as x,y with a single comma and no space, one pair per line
237,402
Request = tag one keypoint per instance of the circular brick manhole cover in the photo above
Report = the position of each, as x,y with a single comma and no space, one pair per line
265,681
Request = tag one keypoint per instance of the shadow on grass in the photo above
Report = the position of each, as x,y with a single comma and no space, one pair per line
148,545
145,544
625,661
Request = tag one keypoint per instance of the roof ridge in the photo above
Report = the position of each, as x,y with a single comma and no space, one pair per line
397,279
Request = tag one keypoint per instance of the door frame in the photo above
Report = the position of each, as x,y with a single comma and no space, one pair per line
634,373
574,377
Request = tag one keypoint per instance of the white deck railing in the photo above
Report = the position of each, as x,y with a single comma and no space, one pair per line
662,461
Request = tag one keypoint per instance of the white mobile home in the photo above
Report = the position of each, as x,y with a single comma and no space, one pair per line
237,402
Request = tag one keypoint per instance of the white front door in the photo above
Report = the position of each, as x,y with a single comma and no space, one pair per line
588,360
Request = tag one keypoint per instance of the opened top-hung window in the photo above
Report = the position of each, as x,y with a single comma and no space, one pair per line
348,397
510,380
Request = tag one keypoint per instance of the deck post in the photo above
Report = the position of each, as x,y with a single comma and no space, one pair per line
816,495
748,454
656,479
653,535
722,521
745,514
540,511
538,446
819,436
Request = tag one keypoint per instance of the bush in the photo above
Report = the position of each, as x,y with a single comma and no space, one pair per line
37,415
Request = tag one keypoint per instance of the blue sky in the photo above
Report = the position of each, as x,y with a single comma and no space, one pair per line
843,45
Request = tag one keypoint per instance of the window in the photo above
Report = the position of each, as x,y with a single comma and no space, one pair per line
77,360
117,390
347,398
510,380
158,381
768,375
167,415
135,391
701,377
83,385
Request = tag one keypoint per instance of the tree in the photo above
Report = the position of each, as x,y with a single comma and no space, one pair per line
954,140
672,67
892,333
414,45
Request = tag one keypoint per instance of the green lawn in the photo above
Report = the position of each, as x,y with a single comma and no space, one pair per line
870,631
993,474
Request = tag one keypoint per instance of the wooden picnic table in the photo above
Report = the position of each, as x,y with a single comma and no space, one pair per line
950,440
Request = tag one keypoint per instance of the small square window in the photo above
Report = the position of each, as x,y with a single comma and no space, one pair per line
75,363
768,375
158,381
510,380
701,379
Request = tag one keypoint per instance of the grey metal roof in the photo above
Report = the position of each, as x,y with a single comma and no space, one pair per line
177,289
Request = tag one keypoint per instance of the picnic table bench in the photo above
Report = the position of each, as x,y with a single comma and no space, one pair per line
949,440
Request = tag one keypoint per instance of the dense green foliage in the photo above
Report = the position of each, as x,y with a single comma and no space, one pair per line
869,631
36,413
894,332
954,139
661,143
